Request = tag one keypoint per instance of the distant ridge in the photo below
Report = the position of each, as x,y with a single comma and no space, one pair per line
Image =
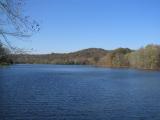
85,56
87,50
144,58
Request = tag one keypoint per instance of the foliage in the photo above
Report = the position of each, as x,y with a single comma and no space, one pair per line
146,58
4,52
116,58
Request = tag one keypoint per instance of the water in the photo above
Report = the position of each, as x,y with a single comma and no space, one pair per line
70,92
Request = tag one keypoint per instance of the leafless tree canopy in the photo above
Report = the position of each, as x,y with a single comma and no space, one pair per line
13,22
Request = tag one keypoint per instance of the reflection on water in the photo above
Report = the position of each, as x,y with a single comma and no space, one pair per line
72,92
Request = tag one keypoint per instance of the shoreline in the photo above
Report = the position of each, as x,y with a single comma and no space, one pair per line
99,66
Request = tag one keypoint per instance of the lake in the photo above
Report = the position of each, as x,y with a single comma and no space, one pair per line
77,92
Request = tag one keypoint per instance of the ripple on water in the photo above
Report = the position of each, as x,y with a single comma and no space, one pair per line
61,92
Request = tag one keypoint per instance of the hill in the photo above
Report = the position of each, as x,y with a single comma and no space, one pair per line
85,56
144,58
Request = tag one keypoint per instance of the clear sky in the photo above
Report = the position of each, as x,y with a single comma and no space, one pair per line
70,25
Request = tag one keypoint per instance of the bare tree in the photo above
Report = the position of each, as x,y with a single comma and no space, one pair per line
13,22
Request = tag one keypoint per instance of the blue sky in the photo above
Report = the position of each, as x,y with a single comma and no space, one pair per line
71,25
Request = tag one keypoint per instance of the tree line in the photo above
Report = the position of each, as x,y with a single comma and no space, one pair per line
143,58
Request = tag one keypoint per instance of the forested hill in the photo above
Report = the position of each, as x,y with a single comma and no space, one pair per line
86,56
144,58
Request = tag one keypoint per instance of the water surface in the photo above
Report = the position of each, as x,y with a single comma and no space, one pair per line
75,92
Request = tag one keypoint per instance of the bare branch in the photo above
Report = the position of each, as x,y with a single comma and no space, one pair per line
13,23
